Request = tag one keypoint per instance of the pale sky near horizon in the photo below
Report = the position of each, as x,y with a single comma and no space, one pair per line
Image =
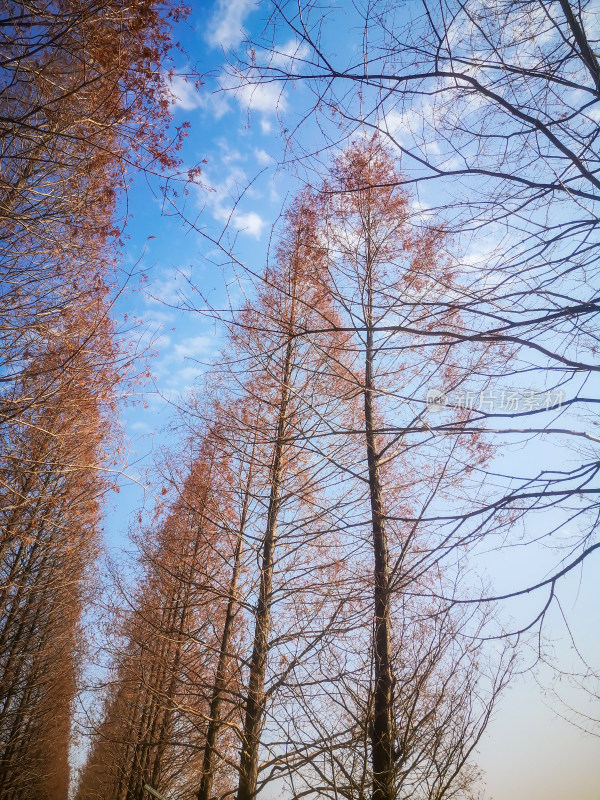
528,752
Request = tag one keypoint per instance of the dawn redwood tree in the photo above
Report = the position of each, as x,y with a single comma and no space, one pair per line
286,299
231,427
51,499
301,610
445,688
237,434
339,487
271,371
153,725
383,272
134,742
84,103
493,109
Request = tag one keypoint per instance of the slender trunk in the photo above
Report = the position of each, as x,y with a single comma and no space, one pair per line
17,654
255,701
382,742
208,765
161,737
27,713
126,754
583,43
173,663
135,786
23,501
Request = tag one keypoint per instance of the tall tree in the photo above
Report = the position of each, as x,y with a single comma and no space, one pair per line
298,351
51,497
85,101
384,271
77,119
152,726
244,456
272,327
493,110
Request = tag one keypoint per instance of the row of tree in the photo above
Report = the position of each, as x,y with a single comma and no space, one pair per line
493,110
83,99
304,614
287,629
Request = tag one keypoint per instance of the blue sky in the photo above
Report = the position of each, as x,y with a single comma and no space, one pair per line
242,192
529,754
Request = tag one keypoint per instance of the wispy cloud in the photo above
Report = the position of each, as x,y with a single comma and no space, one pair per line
184,94
215,103
179,365
265,125
265,98
195,347
222,198
263,158
288,56
226,25
170,288
251,224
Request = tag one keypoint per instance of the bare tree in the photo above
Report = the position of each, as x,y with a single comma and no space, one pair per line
51,497
152,729
493,112
84,101
383,272
76,121
280,371
349,482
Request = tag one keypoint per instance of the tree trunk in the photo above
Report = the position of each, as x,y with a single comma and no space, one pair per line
208,765
382,744
255,702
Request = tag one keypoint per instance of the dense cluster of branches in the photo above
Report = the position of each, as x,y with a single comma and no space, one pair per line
152,724
493,108
310,651
83,98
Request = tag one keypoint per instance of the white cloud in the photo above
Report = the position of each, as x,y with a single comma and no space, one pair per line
157,319
194,347
140,427
229,155
184,94
223,192
421,212
180,365
415,129
186,378
226,26
266,98
162,340
591,21
216,103
274,195
288,56
403,127
594,113
170,287
263,158
222,198
251,223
